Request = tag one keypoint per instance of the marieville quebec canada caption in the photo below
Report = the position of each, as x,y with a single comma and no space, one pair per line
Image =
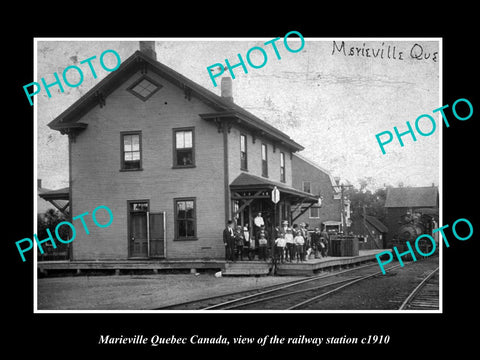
243,175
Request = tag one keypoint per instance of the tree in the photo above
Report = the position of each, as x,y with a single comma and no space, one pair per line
50,220
362,197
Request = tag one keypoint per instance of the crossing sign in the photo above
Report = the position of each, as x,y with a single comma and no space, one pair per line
275,195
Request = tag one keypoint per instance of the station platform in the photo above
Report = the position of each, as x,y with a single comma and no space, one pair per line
309,267
127,266
238,268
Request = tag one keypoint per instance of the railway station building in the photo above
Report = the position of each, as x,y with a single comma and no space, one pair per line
173,161
314,179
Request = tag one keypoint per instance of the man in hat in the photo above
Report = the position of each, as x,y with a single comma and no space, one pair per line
315,240
229,241
306,245
289,244
282,229
325,240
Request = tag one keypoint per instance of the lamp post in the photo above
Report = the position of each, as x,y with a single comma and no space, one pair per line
342,188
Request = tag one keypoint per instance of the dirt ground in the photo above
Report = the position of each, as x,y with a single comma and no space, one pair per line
139,292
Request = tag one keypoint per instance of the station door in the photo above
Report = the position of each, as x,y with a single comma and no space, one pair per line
147,234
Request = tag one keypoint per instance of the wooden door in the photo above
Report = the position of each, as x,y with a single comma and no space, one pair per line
137,228
138,234
157,234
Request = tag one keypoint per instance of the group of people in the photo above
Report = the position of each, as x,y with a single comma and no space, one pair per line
291,244
239,244
296,243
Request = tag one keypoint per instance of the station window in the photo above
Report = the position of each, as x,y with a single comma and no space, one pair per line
307,186
131,145
184,148
282,167
185,219
264,161
314,213
243,152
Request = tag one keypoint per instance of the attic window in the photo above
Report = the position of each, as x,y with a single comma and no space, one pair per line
144,87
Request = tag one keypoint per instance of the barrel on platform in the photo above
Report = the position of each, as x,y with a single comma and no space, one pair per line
344,245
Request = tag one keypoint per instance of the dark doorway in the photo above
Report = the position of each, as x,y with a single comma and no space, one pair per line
137,229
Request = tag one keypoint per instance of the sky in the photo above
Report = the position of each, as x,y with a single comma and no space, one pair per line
332,99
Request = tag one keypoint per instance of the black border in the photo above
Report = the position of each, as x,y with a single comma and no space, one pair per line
62,335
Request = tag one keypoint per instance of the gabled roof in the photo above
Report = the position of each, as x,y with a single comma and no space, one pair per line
364,227
59,194
58,198
42,204
325,171
225,110
376,223
412,197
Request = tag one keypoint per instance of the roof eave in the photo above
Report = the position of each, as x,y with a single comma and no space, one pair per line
241,119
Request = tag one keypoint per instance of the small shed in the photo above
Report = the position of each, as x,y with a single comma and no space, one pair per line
371,232
403,200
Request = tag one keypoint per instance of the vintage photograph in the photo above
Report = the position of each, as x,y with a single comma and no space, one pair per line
240,175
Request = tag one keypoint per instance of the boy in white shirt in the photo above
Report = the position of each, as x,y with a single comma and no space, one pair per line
289,245
299,246
280,243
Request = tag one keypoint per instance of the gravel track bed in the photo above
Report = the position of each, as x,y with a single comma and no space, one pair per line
382,292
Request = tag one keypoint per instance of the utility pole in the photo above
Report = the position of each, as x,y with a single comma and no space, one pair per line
342,202
364,217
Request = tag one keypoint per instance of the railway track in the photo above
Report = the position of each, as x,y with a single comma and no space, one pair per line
290,295
425,296
298,299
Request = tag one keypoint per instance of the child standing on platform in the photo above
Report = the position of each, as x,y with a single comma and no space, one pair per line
299,242
239,243
262,245
280,247
247,246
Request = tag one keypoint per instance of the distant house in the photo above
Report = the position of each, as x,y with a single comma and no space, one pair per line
50,200
47,200
42,205
312,178
404,200
173,161
371,232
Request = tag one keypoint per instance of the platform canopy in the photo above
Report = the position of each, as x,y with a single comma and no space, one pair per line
248,188
251,183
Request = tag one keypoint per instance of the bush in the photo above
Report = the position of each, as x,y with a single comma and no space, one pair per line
50,220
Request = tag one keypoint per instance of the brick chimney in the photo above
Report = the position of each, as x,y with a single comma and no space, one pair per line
226,88
148,48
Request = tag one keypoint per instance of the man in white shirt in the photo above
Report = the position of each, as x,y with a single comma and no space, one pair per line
257,223
259,220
